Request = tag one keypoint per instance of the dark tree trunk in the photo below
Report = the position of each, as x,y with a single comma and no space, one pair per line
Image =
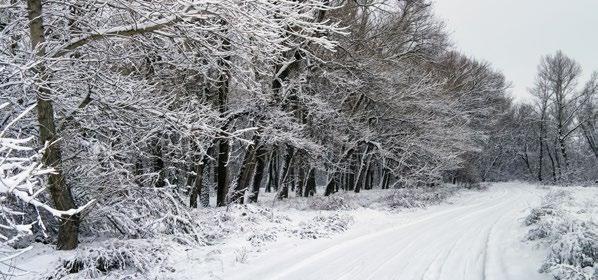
284,191
300,181
590,138
310,187
369,177
381,174
197,185
292,177
273,174
525,158
204,194
541,144
362,170
224,143
191,176
198,181
222,170
336,177
270,177
553,165
259,173
68,232
138,171
563,150
331,186
351,176
386,181
158,165
557,160
246,173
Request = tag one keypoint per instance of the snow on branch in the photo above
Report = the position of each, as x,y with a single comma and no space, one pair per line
20,183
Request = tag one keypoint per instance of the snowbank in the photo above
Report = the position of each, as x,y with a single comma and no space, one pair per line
565,222
227,237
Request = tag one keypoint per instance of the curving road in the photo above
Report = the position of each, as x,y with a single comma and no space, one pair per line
478,237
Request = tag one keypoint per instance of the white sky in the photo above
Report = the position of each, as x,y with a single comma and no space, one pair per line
514,34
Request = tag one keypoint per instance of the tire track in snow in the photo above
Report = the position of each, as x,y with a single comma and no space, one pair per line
457,243
424,234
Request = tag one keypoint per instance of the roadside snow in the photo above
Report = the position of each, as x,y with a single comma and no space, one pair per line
566,223
477,237
471,235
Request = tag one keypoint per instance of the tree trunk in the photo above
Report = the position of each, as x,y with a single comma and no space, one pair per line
526,161
386,181
138,171
224,142
362,170
204,194
541,144
197,188
557,160
552,163
351,176
310,187
158,165
381,174
68,232
331,186
197,185
246,173
369,179
222,170
284,191
273,173
563,150
300,181
259,173
292,177
190,173
589,135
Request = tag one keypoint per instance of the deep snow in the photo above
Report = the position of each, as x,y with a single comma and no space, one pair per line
472,235
478,236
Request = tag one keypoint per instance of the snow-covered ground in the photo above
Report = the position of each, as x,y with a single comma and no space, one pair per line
477,236
566,222
471,235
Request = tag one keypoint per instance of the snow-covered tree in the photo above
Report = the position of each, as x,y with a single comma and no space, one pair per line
22,187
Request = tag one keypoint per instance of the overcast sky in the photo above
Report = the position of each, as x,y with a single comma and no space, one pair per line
514,34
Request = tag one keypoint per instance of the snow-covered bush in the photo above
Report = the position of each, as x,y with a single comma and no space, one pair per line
133,214
218,224
548,216
572,240
241,255
323,226
337,201
261,238
417,197
574,252
128,259
408,197
21,187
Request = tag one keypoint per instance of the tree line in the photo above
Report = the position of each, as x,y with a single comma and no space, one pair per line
553,138
151,108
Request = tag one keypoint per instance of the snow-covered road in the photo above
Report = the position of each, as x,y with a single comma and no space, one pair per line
478,236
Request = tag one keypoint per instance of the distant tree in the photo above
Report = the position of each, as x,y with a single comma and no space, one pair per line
588,114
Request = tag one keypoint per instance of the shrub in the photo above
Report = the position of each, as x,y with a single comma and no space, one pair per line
573,242
129,258
337,201
323,226
417,197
